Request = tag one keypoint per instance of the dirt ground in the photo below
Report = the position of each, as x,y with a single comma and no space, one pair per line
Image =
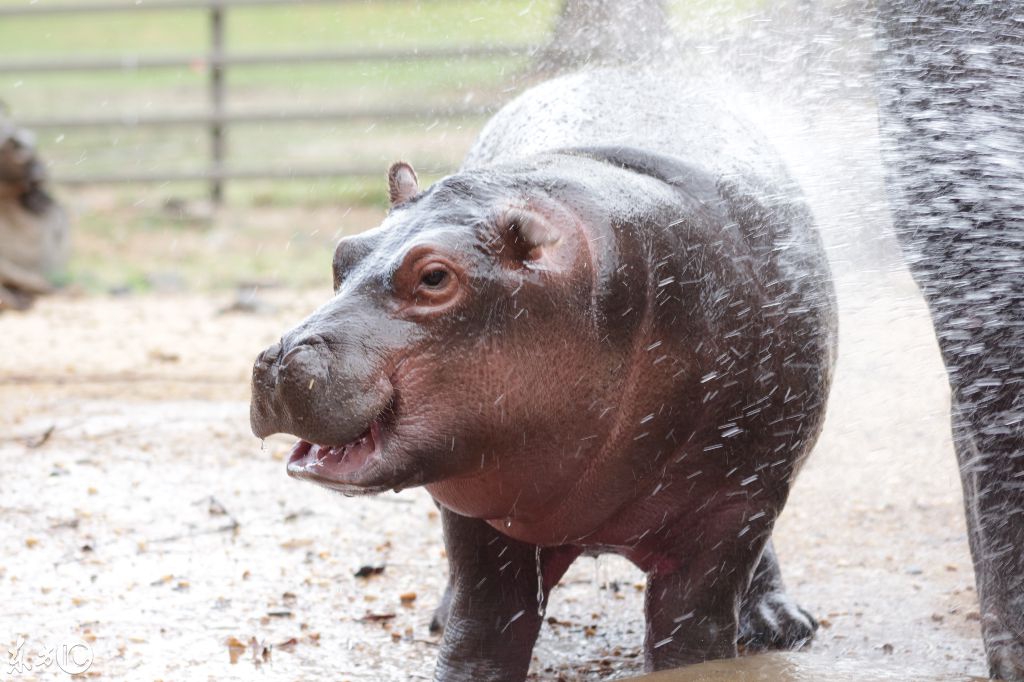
139,515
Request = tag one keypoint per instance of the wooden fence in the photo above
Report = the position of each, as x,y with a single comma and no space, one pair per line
218,60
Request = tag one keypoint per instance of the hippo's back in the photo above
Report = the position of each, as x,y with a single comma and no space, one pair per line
648,109
662,112
666,112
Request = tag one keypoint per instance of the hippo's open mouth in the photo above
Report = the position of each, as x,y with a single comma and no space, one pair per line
336,464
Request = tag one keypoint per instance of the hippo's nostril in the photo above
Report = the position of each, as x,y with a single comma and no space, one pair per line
265,370
291,355
269,356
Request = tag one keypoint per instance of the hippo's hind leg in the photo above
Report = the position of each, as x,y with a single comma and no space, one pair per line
694,591
770,618
493,615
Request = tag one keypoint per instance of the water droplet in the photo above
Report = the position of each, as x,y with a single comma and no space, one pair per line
508,522
540,586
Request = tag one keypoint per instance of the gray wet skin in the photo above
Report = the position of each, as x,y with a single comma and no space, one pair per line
608,333
952,115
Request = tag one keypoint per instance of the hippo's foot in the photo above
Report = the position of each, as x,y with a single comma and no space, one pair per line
1005,650
775,621
1006,661
770,618
14,299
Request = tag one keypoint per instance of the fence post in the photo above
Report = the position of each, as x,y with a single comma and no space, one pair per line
217,101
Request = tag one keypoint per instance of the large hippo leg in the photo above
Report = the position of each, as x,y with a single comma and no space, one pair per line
494,615
770,618
14,299
952,115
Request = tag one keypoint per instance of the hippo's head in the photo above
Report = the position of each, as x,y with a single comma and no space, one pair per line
493,339
468,345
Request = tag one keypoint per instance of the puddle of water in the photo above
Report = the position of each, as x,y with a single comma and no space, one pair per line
797,667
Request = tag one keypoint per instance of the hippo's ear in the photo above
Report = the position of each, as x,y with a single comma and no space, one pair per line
528,236
402,183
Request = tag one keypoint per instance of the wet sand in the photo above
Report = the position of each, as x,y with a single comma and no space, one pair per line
138,514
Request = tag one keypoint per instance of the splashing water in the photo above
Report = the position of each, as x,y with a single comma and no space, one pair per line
540,584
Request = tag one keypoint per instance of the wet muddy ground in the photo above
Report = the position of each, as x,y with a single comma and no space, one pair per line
139,515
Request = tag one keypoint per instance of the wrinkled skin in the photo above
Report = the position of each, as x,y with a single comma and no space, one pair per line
33,229
952,114
583,350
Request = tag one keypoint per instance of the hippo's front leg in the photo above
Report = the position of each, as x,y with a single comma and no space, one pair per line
494,615
694,594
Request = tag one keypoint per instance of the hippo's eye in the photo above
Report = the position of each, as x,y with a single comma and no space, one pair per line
434,278
428,283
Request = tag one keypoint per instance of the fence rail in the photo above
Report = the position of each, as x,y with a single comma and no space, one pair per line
218,118
222,174
389,114
213,60
50,9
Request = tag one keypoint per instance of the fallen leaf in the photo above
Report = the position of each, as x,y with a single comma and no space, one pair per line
235,649
371,617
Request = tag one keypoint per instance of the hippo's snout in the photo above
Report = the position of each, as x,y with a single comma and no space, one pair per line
316,391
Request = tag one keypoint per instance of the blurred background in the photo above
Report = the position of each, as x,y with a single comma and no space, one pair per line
146,113
152,115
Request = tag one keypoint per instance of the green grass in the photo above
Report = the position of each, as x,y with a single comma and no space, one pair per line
365,25
349,25
125,234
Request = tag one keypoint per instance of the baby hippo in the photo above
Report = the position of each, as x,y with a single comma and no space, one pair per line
612,331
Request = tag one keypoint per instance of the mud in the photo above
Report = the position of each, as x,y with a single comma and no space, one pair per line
138,514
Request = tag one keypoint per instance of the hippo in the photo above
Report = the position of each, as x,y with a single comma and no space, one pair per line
33,226
612,331
951,111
